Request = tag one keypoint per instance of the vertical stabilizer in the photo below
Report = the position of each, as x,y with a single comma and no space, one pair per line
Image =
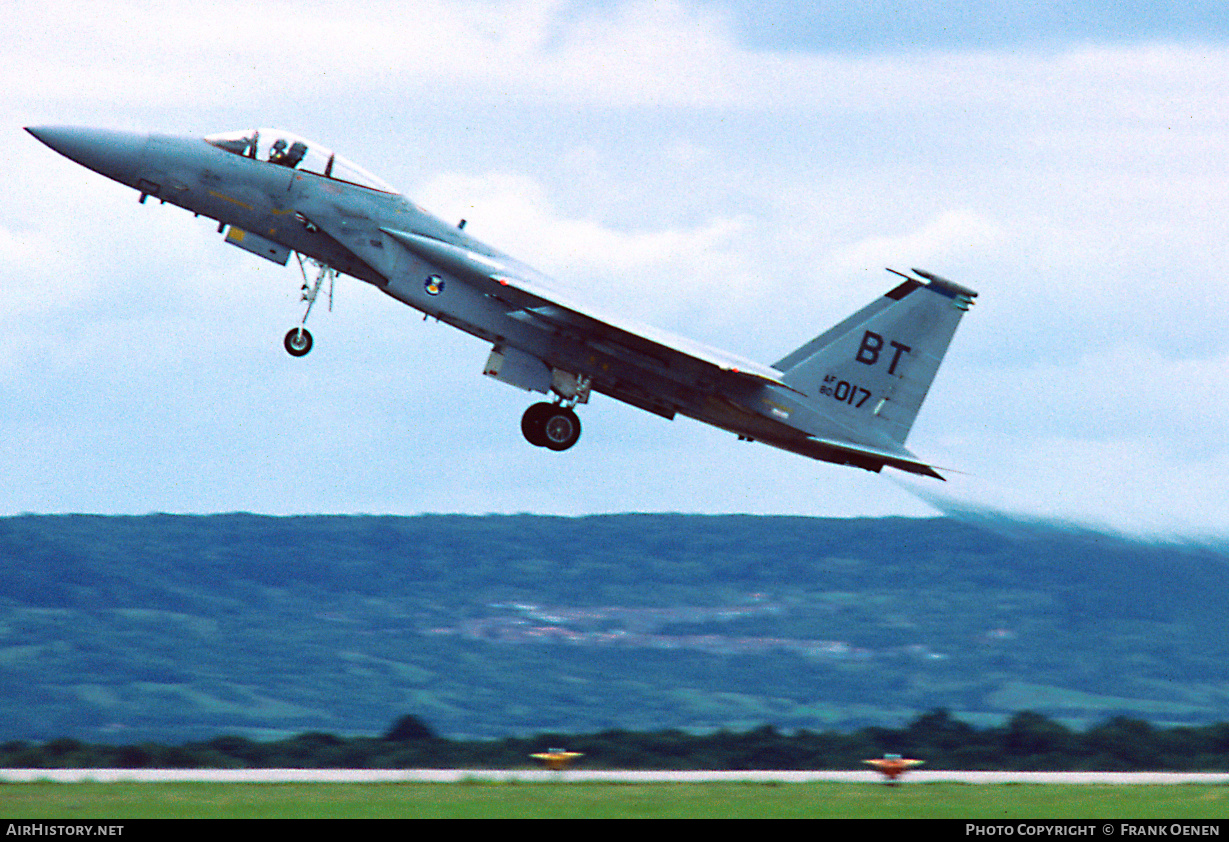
872,371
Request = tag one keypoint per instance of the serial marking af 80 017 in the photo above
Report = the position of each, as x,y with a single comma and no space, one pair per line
849,396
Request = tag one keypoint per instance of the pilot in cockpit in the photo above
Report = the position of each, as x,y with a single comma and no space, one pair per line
275,146
277,155
291,157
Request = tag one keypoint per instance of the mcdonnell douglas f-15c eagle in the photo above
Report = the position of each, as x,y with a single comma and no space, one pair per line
848,396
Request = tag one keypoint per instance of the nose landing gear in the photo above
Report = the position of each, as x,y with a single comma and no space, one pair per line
550,425
298,341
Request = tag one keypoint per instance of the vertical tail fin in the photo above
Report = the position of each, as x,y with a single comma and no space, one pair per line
872,371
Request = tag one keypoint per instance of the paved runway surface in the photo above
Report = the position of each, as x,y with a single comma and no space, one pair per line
581,775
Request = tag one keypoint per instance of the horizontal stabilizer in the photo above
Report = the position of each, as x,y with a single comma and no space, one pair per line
874,456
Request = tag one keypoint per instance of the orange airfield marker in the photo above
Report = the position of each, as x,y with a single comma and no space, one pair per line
557,758
893,765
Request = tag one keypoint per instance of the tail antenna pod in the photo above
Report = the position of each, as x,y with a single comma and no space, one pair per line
963,296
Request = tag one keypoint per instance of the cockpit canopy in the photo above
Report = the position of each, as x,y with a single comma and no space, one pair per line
290,150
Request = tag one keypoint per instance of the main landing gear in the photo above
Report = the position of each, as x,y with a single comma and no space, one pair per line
551,425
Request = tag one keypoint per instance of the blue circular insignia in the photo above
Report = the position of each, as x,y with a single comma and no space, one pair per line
434,285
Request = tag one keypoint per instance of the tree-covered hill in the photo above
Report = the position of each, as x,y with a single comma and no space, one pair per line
1026,741
185,627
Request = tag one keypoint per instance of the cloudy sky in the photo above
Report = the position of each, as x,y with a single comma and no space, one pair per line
737,172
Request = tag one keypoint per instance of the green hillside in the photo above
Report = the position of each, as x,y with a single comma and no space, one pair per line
185,627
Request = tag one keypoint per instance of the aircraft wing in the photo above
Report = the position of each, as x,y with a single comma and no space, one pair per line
532,299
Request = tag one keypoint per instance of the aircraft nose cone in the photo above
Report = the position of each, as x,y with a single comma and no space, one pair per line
114,154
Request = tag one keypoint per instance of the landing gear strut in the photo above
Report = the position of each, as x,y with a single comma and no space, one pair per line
550,425
298,341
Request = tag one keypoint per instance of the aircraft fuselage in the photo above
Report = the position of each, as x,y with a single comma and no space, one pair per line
338,215
263,199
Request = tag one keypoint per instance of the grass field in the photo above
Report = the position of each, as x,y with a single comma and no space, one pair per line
609,800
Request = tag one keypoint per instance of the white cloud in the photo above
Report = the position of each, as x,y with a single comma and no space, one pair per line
637,271
742,196
953,235
647,53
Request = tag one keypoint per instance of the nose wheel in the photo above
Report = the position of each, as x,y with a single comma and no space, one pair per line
550,425
298,341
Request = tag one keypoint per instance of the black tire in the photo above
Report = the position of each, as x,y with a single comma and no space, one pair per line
298,342
533,423
561,428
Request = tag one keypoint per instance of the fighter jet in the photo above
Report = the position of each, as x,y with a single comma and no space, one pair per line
849,396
